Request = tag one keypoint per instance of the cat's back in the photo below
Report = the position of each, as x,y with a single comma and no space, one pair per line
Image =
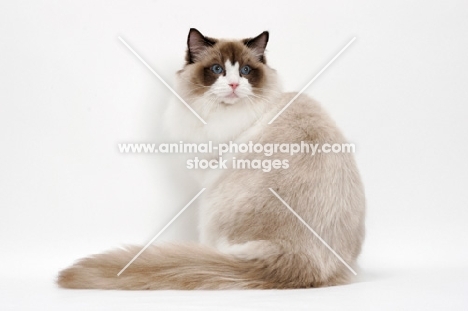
303,120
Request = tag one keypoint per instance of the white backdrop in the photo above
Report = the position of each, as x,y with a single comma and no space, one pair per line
70,92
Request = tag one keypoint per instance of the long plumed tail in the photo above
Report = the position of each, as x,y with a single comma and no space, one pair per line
177,266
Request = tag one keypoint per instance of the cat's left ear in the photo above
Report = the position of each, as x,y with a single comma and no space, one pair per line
196,45
258,44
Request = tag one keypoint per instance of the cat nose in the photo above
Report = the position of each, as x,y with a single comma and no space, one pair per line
233,85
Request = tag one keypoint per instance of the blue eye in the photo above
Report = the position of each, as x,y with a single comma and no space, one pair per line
217,69
245,70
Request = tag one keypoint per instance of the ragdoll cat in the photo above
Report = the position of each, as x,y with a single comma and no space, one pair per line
249,239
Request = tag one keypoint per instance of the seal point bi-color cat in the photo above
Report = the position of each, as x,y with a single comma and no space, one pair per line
249,239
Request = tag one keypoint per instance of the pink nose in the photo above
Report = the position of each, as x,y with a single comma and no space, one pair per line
234,85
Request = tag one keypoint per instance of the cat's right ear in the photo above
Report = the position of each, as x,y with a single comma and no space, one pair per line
196,45
258,44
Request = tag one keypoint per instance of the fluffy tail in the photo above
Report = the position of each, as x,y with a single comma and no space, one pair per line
186,266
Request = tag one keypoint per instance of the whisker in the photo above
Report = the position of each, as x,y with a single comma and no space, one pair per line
252,106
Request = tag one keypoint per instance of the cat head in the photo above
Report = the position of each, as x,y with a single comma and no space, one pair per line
226,71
